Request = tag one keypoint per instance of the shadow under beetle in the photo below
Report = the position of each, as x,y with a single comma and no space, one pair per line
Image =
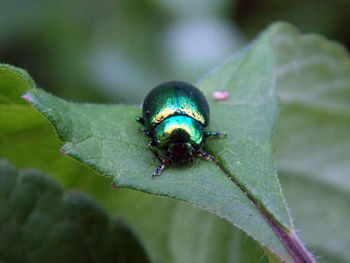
175,115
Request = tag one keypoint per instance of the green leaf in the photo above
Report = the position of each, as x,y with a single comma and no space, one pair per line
155,220
311,142
176,232
313,138
22,81
26,139
248,115
107,139
124,142
41,223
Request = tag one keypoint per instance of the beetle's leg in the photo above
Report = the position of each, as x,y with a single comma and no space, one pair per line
155,152
158,170
146,132
205,156
140,120
161,159
216,134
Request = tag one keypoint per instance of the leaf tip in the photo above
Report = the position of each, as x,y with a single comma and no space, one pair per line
62,151
26,97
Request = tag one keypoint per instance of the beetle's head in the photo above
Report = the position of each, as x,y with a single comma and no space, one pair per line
180,153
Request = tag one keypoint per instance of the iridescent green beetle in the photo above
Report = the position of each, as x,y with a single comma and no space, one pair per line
175,116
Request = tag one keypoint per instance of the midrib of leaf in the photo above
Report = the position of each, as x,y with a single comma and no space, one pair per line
327,245
246,96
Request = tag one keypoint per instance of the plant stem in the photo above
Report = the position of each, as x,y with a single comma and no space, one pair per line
290,240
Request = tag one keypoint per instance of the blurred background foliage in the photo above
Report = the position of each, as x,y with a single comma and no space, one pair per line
115,51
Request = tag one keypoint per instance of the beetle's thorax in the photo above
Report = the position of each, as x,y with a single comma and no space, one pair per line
179,135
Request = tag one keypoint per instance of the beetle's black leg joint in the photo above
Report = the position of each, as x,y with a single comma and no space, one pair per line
215,134
161,159
140,120
153,149
146,132
206,156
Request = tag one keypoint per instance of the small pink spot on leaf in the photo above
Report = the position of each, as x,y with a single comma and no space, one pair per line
220,95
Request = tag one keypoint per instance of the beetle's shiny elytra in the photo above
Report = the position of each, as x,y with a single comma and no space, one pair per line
175,115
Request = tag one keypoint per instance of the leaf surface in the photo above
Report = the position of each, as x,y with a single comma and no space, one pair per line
106,138
160,223
26,138
41,223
